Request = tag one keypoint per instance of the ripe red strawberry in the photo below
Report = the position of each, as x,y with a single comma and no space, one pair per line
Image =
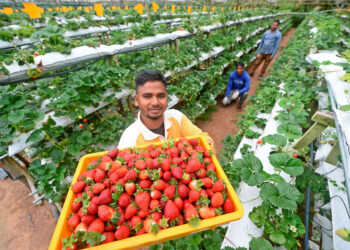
170,191
105,213
209,191
217,200
174,152
76,206
107,183
122,232
201,173
143,175
157,216
121,172
206,212
171,211
82,227
99,175
186,203
74,221
179,203
190,211
114,177
124,200
130,175
145,184
186,178
104,198
208,182
199,148
259,142
130,211
109,237
155,153
167,176
150,224
193,165
154,204
135,220
115,165
177,172
194,142
141,231
160,185
97,188
211,167
130,187
165,164
142,200
105,166
121,181
78,186
36,53
228,206
121,218
97,226
218,186
87,219
92,209
295,155
177,160
143,213
140,164
183,191
113,153
155,194
194,195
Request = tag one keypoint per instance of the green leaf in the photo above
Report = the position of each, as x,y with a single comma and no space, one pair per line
345,107
260,243
251,169
74,149
35,136
286,163
16,116
56,197
85,138
277,237
57,155
268,190
275,139
275,178
290,130
288,190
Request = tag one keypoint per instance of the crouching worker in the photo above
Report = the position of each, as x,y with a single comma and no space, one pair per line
155,122
238,86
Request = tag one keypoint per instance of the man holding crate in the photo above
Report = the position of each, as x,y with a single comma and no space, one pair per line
154,122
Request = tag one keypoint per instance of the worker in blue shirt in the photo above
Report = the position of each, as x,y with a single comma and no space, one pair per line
267,48
238,86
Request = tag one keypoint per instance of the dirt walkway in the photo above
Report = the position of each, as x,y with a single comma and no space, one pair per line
222,122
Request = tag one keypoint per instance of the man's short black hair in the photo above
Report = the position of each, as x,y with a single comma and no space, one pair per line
277,21
149,75
240,64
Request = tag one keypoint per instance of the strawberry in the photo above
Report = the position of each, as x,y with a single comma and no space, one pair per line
115,165
195,184
87,219
120,219
157,216
114,177
181,220
143,213
170,191
208,182
105,213
107,183
217,200
97,188
149,163
109,227
160,185
104,198
179,203
154,204
130,211
206,212
228,206
207,153
150,225
183,191
130,175
174,152
194,195
145,184
82,227
191,215
155,194
171,211
97,226
78,186
143,175
141,231
165,164
36,53
201,173
140,164
122,232
74,221
124,200
109,237
135,220
113,153
105,166
142,200
211,167
92,209
167,176
259,142
99,175
121,172
177,160
199,148
177,172
209,191
186,178
130,187
218,186
106,158
193,165
76,206
155,153
156,164
295,155
194,141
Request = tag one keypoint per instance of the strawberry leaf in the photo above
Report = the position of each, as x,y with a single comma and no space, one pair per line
194,221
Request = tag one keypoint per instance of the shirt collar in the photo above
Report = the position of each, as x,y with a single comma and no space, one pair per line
148,134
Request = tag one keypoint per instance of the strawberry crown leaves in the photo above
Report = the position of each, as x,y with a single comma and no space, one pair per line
157,209
121,160
69,242
173,182
203,201
199,184
86,203
174,222
154,174
194,221
212,175
94,238
200,158
155,228
219,211
164,222
138,227
164,197
115,218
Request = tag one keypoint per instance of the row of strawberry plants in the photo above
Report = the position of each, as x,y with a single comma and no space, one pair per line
63,146
299,91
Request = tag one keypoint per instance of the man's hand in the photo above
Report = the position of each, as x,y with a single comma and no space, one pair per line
271,57
225,100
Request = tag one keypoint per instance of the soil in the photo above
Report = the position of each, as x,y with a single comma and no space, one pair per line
24,225
222,121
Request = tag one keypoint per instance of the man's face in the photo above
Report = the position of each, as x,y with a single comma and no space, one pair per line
274,26
239,70
152,99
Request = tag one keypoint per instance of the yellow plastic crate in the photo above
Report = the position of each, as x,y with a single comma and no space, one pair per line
62,231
